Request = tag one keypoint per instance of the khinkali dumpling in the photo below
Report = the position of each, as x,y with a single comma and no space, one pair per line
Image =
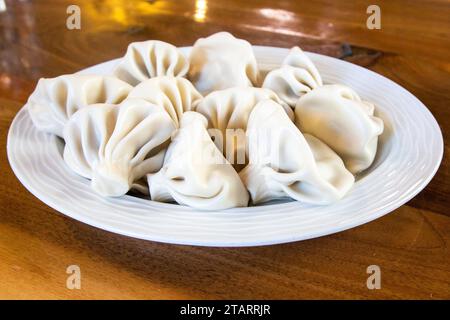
55,99
117,145
336,115
222,61
227,111
297,76
148,59
177,95
284,162
195,173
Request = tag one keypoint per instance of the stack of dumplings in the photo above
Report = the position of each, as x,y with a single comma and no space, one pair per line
206,130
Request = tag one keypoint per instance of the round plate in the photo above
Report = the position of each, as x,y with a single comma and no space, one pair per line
410,151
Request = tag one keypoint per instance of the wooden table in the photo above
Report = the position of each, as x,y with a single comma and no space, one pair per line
411,245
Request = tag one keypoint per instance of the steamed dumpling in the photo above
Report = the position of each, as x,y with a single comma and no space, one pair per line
117,145
227,111
336,115
148,59
285,163
177,95
55,99
195,173
222,61
296,76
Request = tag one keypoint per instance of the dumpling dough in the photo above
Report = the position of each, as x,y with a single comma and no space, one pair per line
284,162
117,145
55,99
336,115
297,76
222,61
148,59
177,95
227,111
195,173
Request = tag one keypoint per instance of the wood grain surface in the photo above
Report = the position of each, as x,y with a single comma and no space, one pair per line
411,245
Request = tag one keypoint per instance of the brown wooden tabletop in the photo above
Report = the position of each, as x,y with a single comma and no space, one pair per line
410,245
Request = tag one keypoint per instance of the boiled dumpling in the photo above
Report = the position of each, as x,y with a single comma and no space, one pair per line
284,162
54,100
336,115
222,61
227,111
148,59
289,83
298,59
117,145
297,76
195,173
175,94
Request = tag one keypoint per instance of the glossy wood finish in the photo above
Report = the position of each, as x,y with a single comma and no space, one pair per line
411,245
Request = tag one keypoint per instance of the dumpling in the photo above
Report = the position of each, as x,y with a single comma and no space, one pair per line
55,99
289,83
336,115
222,61
298,59
195,173
148,59
117,145
175,94
284,162
227,111
297,76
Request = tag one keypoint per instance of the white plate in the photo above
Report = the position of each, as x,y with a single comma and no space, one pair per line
410,153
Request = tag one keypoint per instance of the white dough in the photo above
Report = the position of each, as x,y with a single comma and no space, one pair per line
55,99
228,111
148,59
117,145
195,173
177,95
296,76
285,163
222,61
336,115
